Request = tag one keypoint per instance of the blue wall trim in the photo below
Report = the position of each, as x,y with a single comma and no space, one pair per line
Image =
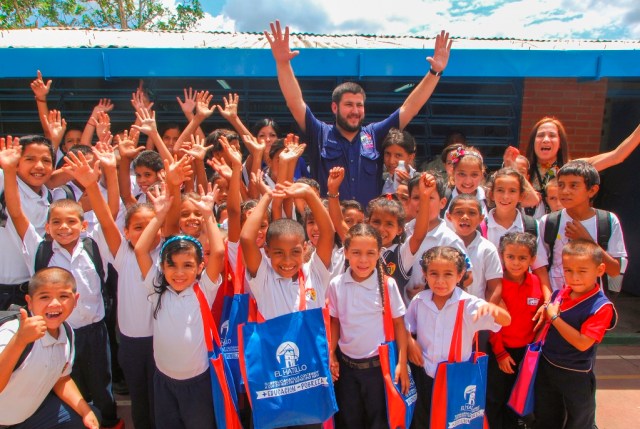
114,63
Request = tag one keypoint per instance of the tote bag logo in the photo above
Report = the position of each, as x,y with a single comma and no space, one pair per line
468,411
470,395
224,329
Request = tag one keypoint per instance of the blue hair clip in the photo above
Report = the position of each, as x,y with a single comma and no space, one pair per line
182,237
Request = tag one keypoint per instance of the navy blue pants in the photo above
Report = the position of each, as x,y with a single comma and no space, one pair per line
361,398
53,414
183,404
424,388
92,369
136,360
565,399
499,386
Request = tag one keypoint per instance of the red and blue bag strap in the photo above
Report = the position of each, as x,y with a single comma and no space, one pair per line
387,319
210,331
556,299
455,349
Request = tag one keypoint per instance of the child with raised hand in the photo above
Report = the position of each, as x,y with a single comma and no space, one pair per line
399,151
508,190
565,387
30,162
275,276
36,389
356,305
182,384
465,214
522,295
135,353
431,317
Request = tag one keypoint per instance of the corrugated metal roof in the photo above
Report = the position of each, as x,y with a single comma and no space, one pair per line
103,38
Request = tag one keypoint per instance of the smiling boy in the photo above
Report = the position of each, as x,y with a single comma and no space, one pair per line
39,392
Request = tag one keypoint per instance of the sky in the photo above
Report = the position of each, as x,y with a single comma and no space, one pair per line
529,19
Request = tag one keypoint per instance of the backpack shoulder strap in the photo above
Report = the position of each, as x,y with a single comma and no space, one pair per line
530,224
68,192
551,228
448,191
43,255
7,316
70,337
603,228
92,249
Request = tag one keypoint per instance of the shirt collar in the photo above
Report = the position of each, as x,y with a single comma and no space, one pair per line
48,340
568,301
370,283
427,297
31,194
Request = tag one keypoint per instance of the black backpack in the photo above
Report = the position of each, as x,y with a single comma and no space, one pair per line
14,313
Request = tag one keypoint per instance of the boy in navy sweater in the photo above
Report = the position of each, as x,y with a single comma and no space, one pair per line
565,383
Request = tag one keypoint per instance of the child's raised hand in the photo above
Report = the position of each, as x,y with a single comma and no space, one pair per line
230,110
104,105
139,99
203,100
105,154
102,122
336,176
196,149
10,153
147,119
254,146
189,102
160,199
509,157
485,309
178,171
292,190
230,152
207,199
56,125
293,149
506,364
414,352
221,167
30,329
256,179
575,229
39,88
427,184
126,146
78,167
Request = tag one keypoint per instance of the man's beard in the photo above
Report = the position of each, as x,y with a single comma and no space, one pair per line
344,124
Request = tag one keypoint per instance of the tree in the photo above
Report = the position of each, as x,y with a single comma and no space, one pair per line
121,14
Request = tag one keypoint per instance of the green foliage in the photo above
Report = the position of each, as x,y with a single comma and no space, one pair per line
121,14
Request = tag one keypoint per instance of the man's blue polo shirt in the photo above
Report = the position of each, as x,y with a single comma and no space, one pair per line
361,157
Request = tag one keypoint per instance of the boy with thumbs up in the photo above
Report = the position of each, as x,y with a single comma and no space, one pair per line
36,390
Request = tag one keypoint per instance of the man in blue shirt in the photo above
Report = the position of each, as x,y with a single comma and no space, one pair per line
347,143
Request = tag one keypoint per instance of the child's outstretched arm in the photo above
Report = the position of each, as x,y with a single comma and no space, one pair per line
40,92
176,172
128,151
500,315
574,337
56,126
10,153
188,105
30,330
402,374
334,365
215,264
427,186
256,150
620,153
233,197
324,249
67,390
146,119
161,203
336,176
103,106
250,252
230,113
203,111
197,150
88,177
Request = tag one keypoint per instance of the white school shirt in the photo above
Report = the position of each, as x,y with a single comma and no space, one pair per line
390,185
337,262
49,360
358,306
179,347
90,306
441,235
496,231
486,265
135,311
89,215
616,248
276,295
434,328
13,269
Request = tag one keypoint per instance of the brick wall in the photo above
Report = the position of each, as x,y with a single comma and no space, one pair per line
578,105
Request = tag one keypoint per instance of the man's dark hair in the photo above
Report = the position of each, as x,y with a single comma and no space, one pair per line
347,88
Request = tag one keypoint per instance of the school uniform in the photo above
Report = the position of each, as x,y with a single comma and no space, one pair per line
276,295
480,195
486,265
565,383
495,231
359,308
182,384
441,235
14,272
135,323
433,329
398,262
27,400
390,185
92,368
616,247
522,302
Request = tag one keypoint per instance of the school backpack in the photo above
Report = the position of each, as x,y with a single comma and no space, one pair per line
68,192
3,208
552,227
529,222
14,313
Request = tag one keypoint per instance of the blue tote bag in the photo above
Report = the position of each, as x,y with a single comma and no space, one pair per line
285,365
399,406
460,388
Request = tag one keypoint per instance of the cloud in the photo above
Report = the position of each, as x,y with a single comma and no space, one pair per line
532,19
